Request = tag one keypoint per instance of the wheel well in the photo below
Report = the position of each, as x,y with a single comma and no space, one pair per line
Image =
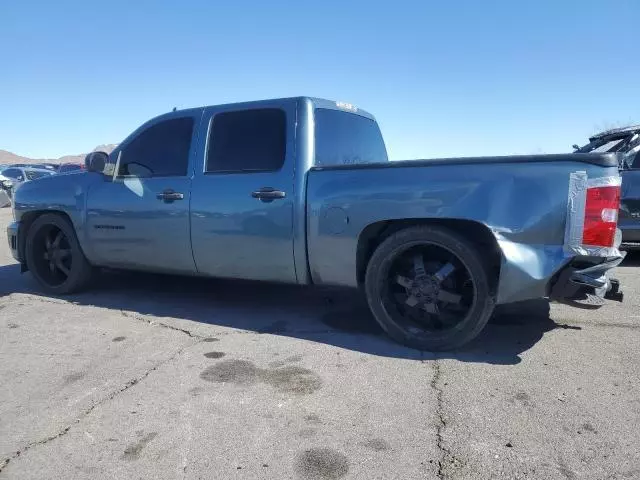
476,232
26,220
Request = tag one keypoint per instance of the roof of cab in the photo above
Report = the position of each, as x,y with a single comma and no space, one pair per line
317,103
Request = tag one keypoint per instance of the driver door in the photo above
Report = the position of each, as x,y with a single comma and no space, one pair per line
140,218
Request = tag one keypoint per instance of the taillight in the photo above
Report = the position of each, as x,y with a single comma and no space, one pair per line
601,216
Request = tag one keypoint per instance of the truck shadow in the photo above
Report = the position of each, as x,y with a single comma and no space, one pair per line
632,259
334,317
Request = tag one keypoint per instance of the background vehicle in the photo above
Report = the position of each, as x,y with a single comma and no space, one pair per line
70,168
625,141
301,191
12,177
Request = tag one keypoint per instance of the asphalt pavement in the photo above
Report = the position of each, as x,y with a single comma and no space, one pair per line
156,377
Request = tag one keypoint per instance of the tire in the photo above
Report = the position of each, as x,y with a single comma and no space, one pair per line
378,284
78,268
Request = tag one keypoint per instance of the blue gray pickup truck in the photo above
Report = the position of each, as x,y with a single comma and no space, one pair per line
301,191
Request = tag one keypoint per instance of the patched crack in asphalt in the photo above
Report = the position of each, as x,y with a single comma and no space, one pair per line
134,381
446,457
142,318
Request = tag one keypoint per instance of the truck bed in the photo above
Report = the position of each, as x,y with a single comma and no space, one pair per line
521,201
599,159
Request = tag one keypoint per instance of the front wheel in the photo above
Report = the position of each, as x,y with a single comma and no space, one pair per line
428,288
54,256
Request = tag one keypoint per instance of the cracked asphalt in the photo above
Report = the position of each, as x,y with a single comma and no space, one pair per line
164,377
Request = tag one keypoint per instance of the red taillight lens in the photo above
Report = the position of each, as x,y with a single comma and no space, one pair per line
601,216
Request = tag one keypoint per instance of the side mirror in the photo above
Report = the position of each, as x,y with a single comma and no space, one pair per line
98,162
19,178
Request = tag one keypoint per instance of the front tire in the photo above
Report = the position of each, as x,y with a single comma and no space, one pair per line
428,288
54,256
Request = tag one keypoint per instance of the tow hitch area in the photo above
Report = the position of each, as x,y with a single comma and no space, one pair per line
587,286
614,292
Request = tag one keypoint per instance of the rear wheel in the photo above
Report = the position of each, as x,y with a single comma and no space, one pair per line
54,256
428,288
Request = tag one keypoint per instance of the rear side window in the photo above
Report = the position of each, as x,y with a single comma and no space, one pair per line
247,141
161,150
345,138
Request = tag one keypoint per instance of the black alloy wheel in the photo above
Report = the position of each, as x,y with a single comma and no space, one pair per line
429,288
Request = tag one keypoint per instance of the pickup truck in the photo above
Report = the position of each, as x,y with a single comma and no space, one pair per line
301,191
626,142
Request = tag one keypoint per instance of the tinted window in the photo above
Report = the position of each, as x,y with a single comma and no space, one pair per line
69,168
249,140
161,150
345,138
33,175
12,173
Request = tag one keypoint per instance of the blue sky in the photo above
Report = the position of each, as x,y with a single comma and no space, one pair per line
443,78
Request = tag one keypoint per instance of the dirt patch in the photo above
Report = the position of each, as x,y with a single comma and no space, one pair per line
73,377
377,444
211,339
321,464
289,379
239,372
312,418
214,354
118,339
307,433
133,450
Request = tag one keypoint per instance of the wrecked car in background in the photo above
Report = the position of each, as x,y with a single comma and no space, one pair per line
301,191
626,142
12,177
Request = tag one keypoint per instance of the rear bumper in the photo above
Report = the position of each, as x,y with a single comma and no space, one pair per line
585,282
630,235
13,231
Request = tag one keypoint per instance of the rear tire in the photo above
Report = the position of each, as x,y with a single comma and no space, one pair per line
445,304
54,257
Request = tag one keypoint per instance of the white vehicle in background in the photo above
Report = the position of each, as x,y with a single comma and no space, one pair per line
12,177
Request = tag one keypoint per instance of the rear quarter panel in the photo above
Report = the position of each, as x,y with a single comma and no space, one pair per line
523,204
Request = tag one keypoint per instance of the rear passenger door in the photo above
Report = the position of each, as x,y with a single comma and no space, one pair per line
139,219
242,193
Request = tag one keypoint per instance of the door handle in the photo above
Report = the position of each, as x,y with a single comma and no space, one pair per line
169,196
268,194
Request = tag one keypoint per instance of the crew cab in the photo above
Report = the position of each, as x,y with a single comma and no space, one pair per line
301,191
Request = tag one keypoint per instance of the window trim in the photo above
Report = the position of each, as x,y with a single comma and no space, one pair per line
205,164
144,128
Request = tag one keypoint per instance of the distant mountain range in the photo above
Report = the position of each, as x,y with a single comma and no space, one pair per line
10,158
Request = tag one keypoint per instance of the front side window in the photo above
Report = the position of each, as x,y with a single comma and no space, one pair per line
247,141
161,150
